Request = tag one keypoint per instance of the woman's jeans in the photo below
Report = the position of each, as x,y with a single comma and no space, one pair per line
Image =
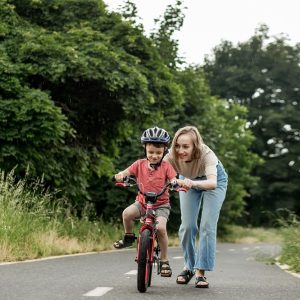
203,257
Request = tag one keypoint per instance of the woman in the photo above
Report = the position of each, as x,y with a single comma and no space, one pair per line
206,180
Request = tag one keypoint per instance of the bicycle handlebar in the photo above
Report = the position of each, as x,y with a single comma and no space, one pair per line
129,181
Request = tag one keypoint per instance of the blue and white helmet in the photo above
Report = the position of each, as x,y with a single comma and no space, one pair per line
155,135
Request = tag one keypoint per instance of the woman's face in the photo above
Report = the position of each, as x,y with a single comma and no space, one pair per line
184,147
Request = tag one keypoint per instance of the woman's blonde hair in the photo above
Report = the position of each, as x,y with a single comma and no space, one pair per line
196,140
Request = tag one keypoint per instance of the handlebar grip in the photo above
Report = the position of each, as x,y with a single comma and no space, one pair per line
126,182
174,185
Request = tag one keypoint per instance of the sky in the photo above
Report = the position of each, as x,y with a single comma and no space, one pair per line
208,22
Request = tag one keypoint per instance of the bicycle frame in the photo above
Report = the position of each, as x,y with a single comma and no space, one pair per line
148,251
152,257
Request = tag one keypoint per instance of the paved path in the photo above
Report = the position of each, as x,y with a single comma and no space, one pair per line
241,273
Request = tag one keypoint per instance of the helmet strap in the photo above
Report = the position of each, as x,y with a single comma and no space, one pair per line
155,166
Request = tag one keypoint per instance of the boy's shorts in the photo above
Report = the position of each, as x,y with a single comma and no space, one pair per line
162,211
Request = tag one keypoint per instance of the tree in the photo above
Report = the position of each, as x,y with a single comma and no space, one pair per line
170,23
81,84
96,76
223,126
264,75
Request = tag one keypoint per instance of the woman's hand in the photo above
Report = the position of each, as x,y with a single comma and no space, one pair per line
208,184
185,183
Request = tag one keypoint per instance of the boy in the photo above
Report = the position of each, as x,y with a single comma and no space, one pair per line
152,174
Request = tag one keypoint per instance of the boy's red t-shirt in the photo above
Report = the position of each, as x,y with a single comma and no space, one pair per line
152,180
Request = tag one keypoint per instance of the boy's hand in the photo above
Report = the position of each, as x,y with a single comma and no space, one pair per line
174,181
119,177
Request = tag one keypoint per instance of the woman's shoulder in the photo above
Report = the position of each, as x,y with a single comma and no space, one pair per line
208,153
206,149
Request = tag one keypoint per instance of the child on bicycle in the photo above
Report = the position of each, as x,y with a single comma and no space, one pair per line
152,173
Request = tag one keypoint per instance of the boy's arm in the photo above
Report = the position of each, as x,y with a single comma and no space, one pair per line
131,170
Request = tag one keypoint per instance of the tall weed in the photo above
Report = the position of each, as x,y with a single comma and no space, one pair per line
33,223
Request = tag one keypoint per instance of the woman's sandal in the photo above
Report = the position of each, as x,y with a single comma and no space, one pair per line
165,266
127,241
201,279
187,275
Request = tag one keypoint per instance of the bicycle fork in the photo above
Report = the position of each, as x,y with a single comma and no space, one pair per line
156,257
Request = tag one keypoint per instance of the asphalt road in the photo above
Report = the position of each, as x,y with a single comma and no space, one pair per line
242,272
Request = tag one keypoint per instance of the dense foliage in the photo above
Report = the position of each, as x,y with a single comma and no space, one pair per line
75,81
264,74
79,84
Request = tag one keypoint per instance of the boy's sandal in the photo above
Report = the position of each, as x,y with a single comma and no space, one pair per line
186,275
201,279
119,244
127,241
165,269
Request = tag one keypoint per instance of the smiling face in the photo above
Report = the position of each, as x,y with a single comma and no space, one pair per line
184,147
154,153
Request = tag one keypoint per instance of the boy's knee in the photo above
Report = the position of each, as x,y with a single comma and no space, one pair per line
126,214
161,230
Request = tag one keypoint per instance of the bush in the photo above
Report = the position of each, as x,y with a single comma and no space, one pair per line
291,241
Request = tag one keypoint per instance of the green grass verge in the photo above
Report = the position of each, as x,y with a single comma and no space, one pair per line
33,224
291,242
250,235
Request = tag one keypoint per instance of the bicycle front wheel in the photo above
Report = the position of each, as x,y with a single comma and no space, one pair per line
144,264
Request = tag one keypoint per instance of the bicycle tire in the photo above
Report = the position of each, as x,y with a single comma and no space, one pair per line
144,265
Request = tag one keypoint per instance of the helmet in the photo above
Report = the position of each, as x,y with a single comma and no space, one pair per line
155,135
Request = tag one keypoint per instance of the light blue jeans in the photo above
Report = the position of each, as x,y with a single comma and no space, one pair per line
202,257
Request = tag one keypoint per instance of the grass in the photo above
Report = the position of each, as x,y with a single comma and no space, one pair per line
291,242
250,235
34,224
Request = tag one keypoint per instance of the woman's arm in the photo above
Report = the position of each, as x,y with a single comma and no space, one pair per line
207,184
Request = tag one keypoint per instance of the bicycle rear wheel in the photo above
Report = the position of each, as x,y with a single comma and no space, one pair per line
144,264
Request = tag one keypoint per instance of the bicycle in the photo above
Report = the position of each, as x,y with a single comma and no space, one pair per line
148,251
